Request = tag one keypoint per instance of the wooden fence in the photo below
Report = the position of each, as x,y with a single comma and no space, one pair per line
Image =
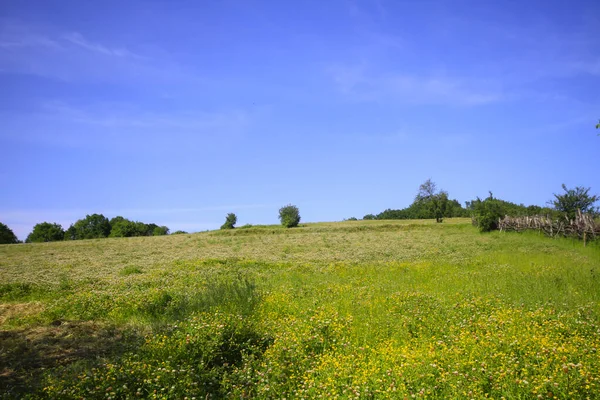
583,226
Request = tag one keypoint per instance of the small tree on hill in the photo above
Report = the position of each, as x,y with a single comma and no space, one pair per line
46,232
432,202
289,216
574,199
230,221
7,236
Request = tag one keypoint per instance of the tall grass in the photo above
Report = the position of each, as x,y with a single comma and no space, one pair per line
351,310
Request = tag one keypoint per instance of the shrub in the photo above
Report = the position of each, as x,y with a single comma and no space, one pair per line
7,236
487,213
289,216
573,200
230,221
46,232
179,233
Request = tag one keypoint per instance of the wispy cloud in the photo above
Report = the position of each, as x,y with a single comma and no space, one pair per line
120,127
362,84
78,39
72,56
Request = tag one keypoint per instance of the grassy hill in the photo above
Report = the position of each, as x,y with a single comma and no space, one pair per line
357,309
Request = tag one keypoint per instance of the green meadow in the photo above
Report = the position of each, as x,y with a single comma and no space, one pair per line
352,310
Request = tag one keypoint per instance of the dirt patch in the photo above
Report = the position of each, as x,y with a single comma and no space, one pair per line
9,311
25,353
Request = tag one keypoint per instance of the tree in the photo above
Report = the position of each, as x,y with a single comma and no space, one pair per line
369,217
122,227
91,227
573,200
46,232
487,213
289,216
433,202
160,231
230,221
7,236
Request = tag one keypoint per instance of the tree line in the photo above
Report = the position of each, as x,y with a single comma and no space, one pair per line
91,227
431,203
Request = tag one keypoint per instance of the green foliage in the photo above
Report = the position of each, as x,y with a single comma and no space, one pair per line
230,221
574,199
91,227
429,203
160,231
7,236
122,227
351,219
369,217
179,233
46,232
131,270
289,216
488,212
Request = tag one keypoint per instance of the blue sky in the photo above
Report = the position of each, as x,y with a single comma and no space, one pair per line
180,112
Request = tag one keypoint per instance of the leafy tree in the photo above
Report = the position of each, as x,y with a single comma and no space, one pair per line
160,231
433,202
369,217
46,232
122,227
487,213
230,221
179,233
574,199
91,227
7,236
289,216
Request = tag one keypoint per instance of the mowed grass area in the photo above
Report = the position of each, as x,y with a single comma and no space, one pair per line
366,309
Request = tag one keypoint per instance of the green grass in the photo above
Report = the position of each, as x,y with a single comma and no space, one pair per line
357,309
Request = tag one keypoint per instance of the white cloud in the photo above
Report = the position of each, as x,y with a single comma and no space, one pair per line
123,127
71,56
78,39
362,84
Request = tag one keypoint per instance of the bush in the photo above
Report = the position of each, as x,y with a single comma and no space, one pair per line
230,221
179,233
289,216
575,199
46,232
487,213
7,236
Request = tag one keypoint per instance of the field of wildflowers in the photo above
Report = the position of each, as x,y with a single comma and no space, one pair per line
366,309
